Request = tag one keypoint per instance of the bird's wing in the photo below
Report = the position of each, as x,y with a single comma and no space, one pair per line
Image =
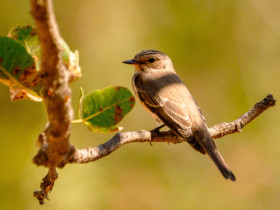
171,112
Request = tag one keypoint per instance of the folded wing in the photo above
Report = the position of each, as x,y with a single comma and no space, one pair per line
169,110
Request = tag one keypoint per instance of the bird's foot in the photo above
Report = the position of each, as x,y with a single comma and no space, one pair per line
157,131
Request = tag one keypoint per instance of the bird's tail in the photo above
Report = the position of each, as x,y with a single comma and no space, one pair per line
221,164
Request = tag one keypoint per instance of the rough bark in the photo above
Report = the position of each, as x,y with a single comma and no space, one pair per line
55,145
56,93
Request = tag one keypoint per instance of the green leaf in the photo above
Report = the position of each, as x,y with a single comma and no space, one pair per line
17,70
28,38
103,109
20,60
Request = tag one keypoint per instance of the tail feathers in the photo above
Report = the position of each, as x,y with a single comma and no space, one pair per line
221,164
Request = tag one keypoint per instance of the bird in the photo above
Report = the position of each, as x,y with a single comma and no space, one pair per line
158,87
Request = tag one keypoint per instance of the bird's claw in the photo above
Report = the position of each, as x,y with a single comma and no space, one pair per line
157,131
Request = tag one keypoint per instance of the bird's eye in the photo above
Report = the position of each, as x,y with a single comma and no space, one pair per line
151,60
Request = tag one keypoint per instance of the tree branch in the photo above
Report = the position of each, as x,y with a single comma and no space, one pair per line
46,185
216,131
56,93
55,145
223,129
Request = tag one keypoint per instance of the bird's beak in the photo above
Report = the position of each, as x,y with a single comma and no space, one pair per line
132,61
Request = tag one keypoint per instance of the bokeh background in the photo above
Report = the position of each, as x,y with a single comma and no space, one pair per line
226,52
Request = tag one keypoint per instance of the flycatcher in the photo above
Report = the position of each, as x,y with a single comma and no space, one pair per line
158,87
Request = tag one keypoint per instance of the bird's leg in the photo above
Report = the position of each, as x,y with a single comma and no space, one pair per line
157,131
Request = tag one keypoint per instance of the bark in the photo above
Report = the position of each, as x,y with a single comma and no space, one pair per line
56,93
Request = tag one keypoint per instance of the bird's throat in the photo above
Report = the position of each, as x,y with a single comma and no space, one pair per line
137,67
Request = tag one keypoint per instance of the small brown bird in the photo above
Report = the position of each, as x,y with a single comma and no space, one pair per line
161,91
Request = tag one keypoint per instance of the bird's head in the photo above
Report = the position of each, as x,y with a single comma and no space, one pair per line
151,60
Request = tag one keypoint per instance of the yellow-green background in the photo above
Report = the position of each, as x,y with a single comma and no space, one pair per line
226,52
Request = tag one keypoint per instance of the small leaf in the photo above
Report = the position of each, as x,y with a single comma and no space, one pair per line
17,69
28,38
104,109
24,81
74,67
18,94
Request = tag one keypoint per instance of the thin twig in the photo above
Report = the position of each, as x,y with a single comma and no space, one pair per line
46,186
217,131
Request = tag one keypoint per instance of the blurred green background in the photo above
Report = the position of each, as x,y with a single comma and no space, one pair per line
226,52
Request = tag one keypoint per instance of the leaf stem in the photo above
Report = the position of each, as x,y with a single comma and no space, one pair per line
81,97
78,121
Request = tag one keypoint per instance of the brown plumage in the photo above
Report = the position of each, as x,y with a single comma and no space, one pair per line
161,91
